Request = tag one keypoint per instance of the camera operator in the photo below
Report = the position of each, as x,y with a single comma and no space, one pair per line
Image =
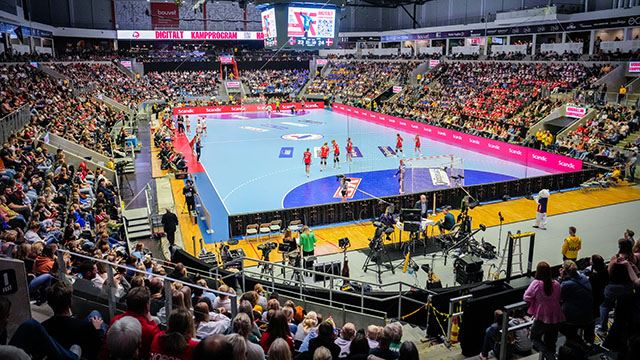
448,222
189,192
388,222
289,240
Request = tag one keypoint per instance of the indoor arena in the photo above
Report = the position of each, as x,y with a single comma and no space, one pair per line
319,180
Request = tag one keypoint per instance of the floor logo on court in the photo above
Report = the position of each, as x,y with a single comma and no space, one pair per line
302,137
352,186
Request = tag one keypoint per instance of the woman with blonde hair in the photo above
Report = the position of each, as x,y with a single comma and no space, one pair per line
310,321
279,350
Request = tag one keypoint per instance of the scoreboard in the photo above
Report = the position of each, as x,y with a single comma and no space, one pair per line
300,25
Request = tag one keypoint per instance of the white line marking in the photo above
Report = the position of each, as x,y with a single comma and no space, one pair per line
294,124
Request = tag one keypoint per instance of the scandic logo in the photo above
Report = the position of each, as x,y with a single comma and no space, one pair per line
474,141
457,137
403,123
427,129
238,108
414,126
442,133
516,152
566,164
539,157
214,110
392,121
186,111
493,146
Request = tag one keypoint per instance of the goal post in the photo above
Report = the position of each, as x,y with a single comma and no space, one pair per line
433,172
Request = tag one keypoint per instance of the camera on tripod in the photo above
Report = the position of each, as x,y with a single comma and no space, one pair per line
267,247
120,165
344,243
375,244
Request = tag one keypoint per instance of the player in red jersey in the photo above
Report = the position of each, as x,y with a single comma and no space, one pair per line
307,161
417,149
399,141
336,154
349,150
324,154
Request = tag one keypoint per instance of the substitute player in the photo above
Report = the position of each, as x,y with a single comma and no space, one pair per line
324,154
349,150
307,161
336,154
399,141
417,149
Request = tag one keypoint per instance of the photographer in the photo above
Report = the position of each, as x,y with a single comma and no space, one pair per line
189,192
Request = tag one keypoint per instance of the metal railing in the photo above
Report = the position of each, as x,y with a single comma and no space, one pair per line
14,122
109,290
506,329
281,279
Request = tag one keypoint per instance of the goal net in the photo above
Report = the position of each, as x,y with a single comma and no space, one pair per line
432,172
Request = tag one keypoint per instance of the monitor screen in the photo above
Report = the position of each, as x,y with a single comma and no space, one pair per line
269,28
309,27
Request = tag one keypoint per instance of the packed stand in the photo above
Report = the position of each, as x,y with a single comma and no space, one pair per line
352,83
496,100
180,84
278,82
595,141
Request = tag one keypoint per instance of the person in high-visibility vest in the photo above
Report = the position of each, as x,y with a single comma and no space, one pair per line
622,93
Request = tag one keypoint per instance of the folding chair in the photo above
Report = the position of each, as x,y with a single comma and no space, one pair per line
251,230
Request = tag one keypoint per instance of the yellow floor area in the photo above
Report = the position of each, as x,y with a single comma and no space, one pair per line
359,234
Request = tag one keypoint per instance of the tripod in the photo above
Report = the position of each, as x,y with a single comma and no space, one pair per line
501,218
376,254
267,269
409,249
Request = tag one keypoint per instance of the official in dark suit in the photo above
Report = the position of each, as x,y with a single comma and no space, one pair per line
170,224
423,206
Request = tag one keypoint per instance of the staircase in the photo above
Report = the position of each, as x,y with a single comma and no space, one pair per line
629,139
137,224
53,73
222,91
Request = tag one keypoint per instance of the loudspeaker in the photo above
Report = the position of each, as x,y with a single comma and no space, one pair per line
468,264
463,277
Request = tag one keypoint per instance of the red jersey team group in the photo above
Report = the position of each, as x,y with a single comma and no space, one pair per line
325,150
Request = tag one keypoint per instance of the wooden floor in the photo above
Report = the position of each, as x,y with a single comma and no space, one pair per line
359,234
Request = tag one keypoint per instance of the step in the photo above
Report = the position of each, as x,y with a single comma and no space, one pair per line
135,214
139,235
137,228
138,222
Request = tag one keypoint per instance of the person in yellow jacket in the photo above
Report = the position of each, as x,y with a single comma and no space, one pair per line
571,246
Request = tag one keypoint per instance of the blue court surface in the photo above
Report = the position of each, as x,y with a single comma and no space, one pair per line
255,163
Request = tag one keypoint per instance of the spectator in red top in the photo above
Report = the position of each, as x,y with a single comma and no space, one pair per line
176,343
278,327
138,308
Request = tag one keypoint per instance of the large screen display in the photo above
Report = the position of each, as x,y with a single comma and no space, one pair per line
311,27
269,28
634,66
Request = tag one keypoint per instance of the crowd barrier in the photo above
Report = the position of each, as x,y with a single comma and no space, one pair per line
515,153
243,108
14,122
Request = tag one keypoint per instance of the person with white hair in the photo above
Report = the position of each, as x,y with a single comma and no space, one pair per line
541,212
124,338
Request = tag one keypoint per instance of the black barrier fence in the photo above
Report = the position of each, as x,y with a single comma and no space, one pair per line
161,66
367,209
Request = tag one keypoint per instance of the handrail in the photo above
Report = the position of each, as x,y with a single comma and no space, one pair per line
270,279
505,328
167,280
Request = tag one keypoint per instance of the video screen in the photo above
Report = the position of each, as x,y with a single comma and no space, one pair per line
311,27
269,28
634,66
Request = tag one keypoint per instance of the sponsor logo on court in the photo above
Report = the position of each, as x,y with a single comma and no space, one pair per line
302,137
255,129
352,186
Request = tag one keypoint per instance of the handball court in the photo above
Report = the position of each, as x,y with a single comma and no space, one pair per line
242,169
